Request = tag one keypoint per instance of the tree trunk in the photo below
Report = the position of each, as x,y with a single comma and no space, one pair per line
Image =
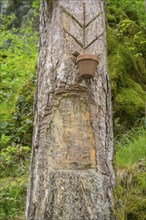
71,170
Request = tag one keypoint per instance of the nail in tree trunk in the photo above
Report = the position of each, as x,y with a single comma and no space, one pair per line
71,169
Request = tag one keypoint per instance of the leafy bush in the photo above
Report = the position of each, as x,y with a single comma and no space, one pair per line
36,4
18,59
18,62
14,160
4,141
13,198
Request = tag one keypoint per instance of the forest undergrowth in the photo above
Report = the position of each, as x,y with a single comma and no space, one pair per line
126,36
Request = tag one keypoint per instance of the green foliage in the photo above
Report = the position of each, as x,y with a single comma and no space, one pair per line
18,58
133,9
127,27
127,54
129,193
126,36
13,198
14,160
19,125
23,113
130,201
130,101
36,4
4,140
131,148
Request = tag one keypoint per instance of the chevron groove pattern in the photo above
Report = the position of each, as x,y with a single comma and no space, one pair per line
70,15
94,40
77,41
83,26
93,19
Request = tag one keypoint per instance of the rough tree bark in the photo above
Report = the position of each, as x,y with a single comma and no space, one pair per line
71,169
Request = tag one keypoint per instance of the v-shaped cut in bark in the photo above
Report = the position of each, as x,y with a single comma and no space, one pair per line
84,26
93,19
70,15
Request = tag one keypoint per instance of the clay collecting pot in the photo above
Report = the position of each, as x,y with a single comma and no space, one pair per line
87,65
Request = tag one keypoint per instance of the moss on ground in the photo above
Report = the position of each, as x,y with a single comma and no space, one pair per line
130,197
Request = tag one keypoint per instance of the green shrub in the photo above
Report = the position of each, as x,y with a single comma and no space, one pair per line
4,140
14,160
13,198
18,58
18,49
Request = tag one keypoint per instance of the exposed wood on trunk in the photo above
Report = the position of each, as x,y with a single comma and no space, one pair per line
71,170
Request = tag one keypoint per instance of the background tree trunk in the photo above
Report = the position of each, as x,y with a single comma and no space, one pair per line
71,170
